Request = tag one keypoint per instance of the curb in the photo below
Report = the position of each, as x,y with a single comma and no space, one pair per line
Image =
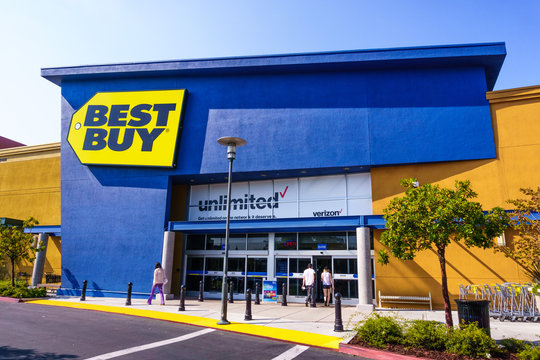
10,299
374,353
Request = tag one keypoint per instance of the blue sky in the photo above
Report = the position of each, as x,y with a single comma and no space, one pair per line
38,34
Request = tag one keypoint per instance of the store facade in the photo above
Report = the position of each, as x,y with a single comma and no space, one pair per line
262,247
144,179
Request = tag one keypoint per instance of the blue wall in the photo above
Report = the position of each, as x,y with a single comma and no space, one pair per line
113,218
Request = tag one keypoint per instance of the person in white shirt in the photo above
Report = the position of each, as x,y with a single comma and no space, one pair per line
308,281
327,285
159,280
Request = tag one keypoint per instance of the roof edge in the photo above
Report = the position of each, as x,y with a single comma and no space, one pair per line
478,52
31,149
514,94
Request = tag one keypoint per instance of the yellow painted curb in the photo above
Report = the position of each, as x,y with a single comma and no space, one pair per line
296,336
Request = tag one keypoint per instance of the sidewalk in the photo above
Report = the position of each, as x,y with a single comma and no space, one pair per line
294,323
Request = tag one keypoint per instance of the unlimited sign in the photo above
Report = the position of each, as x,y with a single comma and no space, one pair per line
137,128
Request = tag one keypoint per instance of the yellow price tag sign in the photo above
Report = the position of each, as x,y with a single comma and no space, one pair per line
137,128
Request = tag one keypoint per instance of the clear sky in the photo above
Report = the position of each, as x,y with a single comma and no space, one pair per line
39,34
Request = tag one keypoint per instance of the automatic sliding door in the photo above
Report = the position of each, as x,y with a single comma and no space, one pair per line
213,274
346,278
256,273
289,271
296,272
236,273
194,272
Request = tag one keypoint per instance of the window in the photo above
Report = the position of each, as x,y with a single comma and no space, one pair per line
214,242
286,241
257,242
322,241
236,242
195,242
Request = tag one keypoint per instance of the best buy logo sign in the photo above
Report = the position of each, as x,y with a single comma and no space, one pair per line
138,128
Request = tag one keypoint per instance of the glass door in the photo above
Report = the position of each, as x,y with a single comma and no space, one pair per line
319,263
256,273
346,278
213,274
289,271
236,273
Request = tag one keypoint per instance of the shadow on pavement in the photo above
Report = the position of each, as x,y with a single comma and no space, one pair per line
7,352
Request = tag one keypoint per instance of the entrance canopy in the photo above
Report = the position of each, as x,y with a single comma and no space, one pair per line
341,223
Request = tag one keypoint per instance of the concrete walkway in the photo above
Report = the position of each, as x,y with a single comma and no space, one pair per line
294,323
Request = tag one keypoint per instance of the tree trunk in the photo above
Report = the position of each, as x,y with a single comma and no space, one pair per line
12,272
444,285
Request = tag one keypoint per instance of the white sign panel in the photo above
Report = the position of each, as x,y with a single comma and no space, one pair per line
321,196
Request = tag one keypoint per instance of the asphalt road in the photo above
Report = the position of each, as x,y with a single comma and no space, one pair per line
31,331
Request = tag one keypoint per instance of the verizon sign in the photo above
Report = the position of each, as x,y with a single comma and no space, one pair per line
322,196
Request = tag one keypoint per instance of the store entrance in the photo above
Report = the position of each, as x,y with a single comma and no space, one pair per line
319,263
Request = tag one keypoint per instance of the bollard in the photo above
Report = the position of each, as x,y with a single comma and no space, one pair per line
284,297
338,324
257,290
83,293
248,305
182,298
231,298
201,297
313,303
128,299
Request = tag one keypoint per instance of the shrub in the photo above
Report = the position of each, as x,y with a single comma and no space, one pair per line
512,345
530,353
20,290
471,341
426,334
378,330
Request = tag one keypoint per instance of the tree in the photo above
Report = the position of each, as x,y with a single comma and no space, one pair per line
429,217
16,245
525,249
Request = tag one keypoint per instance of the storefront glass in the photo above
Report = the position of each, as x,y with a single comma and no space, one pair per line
246,267
323,241
346,278
214,242
257,242
286,241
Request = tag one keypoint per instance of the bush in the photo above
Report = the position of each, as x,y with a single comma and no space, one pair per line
512,345
471,341
20,290
426,334
530,353
378,330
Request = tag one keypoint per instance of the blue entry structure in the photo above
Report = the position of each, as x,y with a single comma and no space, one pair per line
302,115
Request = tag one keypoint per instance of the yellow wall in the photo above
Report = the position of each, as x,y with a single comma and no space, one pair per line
516,123
30,183
30,186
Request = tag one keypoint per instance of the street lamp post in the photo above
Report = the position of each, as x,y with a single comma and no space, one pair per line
231,143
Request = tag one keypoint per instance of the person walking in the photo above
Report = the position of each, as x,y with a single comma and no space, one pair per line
327,285
308,281
159,280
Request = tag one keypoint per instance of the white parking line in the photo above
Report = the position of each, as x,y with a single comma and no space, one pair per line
292,353
150,346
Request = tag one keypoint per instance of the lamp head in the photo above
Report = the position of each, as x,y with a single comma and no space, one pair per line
231,142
